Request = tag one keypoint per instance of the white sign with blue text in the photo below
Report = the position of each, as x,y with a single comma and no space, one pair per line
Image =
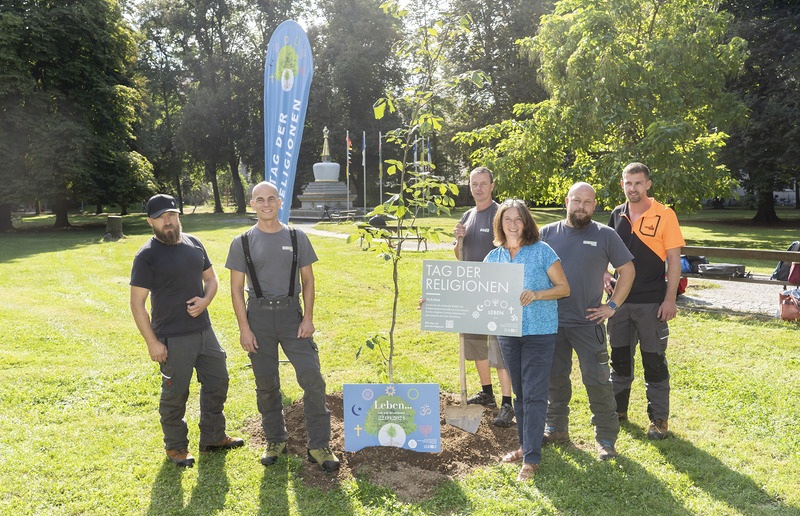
472,297
403,415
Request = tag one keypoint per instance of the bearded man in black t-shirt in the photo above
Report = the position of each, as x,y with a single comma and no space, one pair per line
174,268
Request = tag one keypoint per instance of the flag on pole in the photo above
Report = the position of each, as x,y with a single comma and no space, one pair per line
380,155
349,147
287,81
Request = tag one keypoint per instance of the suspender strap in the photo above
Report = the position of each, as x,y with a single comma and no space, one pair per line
293,275
250,267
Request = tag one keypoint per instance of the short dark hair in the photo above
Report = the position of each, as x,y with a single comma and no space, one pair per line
483,170
637,168
530,231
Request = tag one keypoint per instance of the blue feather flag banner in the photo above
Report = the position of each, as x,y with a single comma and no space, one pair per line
287,81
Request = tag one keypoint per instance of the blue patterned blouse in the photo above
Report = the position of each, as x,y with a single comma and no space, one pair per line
539,317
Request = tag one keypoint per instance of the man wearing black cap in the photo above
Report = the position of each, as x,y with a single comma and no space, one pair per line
175,268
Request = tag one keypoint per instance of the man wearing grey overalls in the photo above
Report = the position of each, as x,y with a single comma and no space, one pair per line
268,260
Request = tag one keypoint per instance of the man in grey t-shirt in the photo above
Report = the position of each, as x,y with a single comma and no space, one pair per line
586,248
476,227
273,316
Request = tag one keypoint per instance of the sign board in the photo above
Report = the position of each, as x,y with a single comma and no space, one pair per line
472,297
404,415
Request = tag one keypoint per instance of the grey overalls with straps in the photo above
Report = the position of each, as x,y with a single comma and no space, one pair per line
276,321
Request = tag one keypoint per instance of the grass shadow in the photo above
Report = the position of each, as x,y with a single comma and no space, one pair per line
211,489
714,477
166,495
576,482
273,492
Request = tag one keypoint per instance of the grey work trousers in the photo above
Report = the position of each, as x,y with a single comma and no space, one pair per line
201,352
589,343
639,322
274,322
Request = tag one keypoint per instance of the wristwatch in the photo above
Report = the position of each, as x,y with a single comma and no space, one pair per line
612,305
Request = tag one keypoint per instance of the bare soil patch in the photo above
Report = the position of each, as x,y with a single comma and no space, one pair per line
412,475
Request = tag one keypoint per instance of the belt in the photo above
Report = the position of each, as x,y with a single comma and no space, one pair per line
273,304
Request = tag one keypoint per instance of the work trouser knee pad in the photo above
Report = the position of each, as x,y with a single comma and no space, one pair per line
655,367
621,361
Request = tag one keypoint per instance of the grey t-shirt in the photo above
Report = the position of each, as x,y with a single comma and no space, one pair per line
272,257
479,237
585,254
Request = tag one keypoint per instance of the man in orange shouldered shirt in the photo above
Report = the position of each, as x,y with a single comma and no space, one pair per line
651,232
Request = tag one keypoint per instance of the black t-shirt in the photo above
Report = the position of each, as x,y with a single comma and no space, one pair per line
173,274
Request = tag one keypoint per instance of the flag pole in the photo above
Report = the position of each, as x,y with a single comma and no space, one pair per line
380,166
347,169
364,166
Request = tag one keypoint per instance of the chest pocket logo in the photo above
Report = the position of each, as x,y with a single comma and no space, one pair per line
649,227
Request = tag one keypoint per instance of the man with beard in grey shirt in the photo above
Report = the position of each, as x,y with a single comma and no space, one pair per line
586,248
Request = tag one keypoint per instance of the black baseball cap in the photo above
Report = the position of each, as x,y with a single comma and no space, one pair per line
159,204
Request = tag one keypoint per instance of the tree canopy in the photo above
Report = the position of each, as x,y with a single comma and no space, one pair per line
68,105
628,80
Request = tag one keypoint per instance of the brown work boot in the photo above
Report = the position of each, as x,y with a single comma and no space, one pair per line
605,450
181,457
657,430
226,443
551,435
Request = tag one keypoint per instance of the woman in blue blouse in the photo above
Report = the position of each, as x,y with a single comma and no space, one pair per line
529,357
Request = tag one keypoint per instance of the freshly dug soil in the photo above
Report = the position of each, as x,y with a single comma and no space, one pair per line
412,475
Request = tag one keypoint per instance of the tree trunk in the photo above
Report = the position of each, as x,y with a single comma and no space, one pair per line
797,193
123,208
5,218
765,212
211,175
36,210
179,192
60,209
99,209
238,190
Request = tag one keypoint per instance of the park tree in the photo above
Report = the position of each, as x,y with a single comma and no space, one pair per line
490,46
764,152
628,80
354,64
66,100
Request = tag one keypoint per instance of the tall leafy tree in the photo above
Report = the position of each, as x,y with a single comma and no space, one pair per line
66,98
490,46
628,80
354,64
764,152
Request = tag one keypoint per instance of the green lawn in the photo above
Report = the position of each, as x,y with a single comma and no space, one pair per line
78,394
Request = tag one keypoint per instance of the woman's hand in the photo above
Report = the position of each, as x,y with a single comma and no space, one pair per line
527,296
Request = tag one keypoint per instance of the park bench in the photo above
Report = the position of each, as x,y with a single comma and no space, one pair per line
734,254
343,215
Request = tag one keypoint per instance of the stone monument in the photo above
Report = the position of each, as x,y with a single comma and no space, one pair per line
326,194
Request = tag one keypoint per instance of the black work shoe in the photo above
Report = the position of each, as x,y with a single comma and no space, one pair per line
325,458
273,451
551,436
181,457
226,443
506,416
481,398
605,450
657,430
